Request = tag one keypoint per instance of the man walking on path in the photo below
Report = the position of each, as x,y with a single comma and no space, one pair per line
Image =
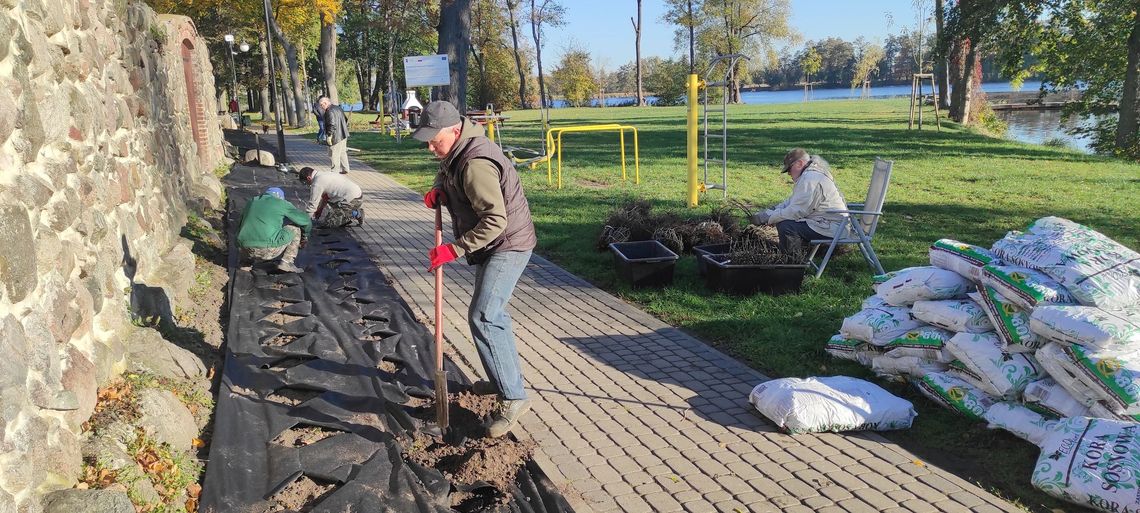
492,225
336,131
805,214
263,234
320,112
342,196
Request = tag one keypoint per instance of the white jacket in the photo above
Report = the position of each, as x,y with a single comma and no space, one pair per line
338,188
813,194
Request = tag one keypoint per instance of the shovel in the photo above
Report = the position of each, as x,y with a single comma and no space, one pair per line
441,405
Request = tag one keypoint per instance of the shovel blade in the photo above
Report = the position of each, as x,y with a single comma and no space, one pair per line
441,406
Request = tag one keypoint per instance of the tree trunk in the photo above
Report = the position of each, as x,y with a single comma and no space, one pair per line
265,78
637,53
511,6
295,96
481,68
285,94
1126,128
535,32
940,77
455,40
327,53
964,87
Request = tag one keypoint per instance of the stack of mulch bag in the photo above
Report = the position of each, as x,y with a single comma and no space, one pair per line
1039,335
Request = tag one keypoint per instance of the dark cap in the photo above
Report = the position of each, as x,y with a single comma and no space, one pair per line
794,156
436,116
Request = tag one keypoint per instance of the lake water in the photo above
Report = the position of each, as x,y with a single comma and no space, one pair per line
1038,126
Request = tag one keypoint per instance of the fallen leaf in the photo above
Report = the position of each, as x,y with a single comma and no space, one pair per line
82,486
919,463
194,490
191,505
197,442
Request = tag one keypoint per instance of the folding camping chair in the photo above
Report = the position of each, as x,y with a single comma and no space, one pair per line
862,219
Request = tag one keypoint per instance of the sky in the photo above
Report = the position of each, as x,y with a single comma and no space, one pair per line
603,26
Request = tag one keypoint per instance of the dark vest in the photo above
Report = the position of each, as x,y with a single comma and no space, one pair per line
519,234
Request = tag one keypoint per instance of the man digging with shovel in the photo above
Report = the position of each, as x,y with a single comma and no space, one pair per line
492,226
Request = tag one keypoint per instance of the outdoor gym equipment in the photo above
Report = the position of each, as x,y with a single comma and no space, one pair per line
696,85
534,156
556,143
441,406
491,118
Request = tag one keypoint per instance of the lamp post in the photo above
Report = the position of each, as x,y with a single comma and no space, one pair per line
273,89
233,70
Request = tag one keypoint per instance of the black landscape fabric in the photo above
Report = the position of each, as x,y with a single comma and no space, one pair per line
337,349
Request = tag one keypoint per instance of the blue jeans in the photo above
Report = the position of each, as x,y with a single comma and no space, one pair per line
790,230
490,324
320,128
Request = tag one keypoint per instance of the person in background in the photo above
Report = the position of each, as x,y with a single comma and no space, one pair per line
336,132
342,196
492,225
320,113
271,228
805,215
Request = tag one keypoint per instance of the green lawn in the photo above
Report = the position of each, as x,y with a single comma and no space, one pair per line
954,183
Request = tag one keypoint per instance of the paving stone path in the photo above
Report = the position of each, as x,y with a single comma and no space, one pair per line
634,415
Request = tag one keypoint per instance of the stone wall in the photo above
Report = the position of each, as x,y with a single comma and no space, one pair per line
105,147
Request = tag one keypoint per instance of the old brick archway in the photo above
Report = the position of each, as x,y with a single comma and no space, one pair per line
197,114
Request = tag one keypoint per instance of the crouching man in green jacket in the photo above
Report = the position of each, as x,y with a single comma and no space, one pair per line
265,235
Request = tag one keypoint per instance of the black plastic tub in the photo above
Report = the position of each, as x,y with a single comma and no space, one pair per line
645,263
772,279
718,248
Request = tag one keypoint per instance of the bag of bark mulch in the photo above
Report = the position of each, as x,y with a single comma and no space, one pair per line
1026,287
1087,461
955,394
1048,396
962,258
835,403
900,368
926,342
1010,322
878,325
924,283
1111,378
956,315
1096,269
1105,331
850,349
1002,374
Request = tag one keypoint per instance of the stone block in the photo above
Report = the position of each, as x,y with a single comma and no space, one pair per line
17,254
63,459
90,501
23,463
8,109
79,377
165,418
147,350
260,157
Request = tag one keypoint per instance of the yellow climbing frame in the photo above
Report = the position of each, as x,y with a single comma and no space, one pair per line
551,138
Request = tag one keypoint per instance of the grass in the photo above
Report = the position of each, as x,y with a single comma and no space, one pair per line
954,183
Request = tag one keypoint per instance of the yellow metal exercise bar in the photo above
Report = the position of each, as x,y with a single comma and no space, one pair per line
550,140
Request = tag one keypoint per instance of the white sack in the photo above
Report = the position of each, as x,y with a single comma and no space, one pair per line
878,325
923,283
851,349
1025,287
953,314
962,258
836,403
926,342
955,394
1002,374
1048,395
1096,269
1105,331
1010,322
1112,378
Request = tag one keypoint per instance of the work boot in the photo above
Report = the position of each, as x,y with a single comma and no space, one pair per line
288,267
484,387
359,216
508,416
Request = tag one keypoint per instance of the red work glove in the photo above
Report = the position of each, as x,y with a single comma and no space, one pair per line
440,255
434,198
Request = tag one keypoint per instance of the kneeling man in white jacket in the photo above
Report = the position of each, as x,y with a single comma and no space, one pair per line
804,215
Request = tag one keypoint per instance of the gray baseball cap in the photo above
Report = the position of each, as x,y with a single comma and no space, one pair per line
437,116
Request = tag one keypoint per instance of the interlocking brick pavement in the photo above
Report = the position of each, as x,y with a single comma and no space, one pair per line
632,414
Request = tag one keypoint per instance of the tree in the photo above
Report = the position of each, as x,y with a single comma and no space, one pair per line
810,63
574,77
683,13
493,79
970,28
867,65
743,26
513,20
327,55
666,80
454,33
637,53
543,12
1103,62
939,57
